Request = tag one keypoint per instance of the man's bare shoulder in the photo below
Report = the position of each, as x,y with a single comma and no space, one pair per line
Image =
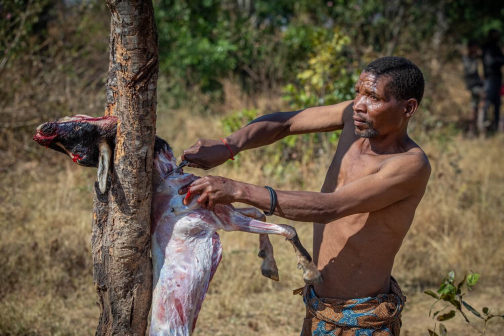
417,157
412,165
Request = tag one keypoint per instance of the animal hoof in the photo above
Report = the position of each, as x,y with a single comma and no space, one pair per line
271,274
312,277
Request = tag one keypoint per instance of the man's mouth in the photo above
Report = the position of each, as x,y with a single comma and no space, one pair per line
360,122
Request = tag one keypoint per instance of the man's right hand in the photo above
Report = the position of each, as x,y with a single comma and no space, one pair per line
206,154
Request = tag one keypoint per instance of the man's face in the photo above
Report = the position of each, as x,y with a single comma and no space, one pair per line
376,112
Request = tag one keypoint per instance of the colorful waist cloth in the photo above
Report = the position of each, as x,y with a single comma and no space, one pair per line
371,316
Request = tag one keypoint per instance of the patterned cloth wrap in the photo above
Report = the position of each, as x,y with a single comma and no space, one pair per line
371,316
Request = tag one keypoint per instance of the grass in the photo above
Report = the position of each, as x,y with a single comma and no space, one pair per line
45,225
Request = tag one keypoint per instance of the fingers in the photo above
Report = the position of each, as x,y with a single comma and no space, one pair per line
188,157
184,189
210,205
194,189
209,194
196,165
191,154
187,199
203,199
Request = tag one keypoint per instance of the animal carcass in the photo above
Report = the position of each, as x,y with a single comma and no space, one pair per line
186,249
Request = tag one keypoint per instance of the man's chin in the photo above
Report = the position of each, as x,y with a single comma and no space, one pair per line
367,133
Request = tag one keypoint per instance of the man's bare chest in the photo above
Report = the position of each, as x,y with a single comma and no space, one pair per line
350,164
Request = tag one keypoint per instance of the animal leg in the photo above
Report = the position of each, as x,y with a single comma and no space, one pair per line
235,221
269,267
311,274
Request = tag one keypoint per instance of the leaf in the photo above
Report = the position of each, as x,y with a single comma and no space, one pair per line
442,329
461,284
447,316
446,289
472,279
431,293
432,333
451,276
471,309
447,297
455,302
485,310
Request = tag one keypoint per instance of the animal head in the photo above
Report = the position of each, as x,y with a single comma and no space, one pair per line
88,141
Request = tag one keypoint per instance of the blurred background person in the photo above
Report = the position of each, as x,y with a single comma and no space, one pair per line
493,60
473,83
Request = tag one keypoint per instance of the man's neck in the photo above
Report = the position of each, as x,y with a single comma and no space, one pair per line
388,144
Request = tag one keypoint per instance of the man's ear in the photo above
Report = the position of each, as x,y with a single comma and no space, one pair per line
104,165
410,107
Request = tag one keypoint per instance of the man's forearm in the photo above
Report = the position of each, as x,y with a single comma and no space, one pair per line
262,131
302,206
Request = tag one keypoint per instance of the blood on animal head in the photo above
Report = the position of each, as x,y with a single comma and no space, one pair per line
46,134
79,137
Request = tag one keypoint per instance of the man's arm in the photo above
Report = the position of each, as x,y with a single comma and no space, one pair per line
268,129
399,178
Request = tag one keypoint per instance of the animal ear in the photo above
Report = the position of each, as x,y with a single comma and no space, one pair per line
104,165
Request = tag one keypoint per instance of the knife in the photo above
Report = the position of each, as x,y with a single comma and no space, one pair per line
181,165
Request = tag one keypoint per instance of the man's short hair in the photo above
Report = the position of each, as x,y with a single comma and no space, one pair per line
406,79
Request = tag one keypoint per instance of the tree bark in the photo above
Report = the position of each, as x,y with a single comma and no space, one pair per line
122,267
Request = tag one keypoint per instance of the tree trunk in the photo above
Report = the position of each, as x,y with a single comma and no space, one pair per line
121,218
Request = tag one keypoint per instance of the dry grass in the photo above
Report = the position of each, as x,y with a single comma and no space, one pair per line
45,225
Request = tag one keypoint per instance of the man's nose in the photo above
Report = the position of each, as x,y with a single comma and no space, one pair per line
359,104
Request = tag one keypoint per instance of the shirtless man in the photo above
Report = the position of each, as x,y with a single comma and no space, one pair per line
367,203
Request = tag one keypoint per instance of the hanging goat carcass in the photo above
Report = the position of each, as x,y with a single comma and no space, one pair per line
186,248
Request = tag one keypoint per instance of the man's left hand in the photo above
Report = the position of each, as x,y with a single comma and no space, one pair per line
213,190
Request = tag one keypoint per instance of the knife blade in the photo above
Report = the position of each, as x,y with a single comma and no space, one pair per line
181,165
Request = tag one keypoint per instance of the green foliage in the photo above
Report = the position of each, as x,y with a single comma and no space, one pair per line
454,294
204,41
195,42
21,25
234,122
329,77
264,45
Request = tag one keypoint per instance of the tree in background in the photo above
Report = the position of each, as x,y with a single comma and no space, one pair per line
266,44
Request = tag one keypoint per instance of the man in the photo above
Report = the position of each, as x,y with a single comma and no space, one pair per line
493,60
367,203
475,86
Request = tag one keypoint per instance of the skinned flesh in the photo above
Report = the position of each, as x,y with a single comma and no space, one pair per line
186,248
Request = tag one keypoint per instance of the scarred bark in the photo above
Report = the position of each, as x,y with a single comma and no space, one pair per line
121,217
